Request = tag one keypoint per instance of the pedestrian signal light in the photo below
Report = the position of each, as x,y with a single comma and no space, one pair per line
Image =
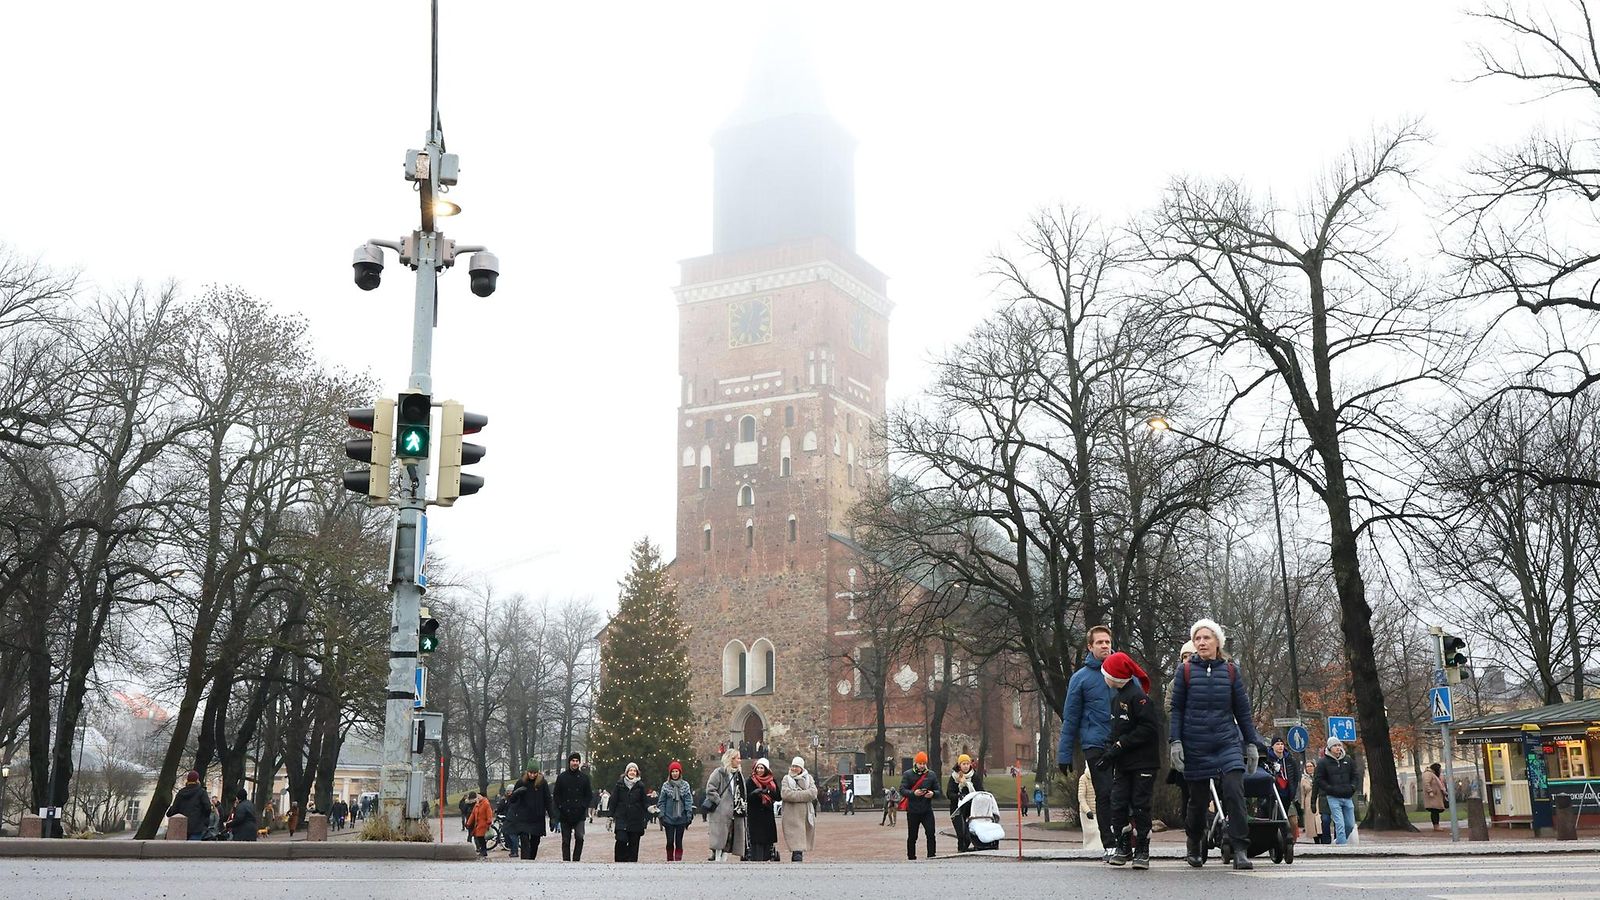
411,427
1453,658
455,421
427,633
374,451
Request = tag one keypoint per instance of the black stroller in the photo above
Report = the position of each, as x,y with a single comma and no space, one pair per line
1270,833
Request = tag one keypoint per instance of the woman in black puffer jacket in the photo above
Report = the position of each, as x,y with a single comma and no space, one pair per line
1213,737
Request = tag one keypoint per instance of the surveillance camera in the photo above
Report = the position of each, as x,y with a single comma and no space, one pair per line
485,271
369,266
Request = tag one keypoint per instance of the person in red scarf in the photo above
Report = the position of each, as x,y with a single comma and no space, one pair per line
1134,755
762,823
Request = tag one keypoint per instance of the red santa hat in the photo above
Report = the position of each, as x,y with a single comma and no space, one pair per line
1120,667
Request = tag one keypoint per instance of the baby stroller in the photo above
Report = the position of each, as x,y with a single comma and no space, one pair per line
1269,833
983,820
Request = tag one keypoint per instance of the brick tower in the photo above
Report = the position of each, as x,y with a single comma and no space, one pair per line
783,358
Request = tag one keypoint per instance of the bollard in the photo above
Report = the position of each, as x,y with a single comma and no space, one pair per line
31,826
1566,818
178,827
317,827
1477,825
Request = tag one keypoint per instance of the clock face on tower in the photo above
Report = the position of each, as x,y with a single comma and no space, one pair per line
750,322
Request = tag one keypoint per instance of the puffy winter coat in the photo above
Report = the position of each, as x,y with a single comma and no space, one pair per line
1135,730
192,802
1210,714
915,804
628,807
529,806
1086,716
1337,777
480,817
574,795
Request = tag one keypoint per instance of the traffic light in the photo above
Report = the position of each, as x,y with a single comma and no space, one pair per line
427,633
374,451
411,429
1453,658
454,421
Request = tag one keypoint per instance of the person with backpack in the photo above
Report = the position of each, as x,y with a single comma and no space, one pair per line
1133,755
192,803
918,789
1213,738
1280,763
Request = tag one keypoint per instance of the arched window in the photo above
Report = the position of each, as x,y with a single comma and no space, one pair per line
733,668
705,476
705,543
793,529
788,417
747,496
749,533
784,448
763,659
747,429
850,464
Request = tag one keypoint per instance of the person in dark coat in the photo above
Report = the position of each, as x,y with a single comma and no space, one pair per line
1213,737
920,788
528,809
1338,780
1086,722
574,797
964,781
1133,756
192,803
242,824
630,802
761,789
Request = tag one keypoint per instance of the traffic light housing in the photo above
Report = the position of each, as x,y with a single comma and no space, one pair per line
427,632
455,421
411,426
374,451
1453,658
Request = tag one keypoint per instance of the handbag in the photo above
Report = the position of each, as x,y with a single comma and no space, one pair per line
905,799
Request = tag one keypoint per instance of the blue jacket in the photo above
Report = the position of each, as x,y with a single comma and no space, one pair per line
1210,714
1086,716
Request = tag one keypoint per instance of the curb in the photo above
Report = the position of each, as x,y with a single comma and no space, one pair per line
1303,852
159,849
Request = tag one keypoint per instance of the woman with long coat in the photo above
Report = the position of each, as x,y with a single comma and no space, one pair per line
1433,799
799,810
729,808
630,802
1310,818
527,810
762,790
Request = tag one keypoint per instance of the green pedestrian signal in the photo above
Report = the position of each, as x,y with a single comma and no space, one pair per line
427,633
411,426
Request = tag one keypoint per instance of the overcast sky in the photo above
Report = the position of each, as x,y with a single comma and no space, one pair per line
258,144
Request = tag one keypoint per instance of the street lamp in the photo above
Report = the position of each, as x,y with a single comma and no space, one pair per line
5,774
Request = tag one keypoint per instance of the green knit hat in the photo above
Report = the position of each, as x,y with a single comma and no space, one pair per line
532,766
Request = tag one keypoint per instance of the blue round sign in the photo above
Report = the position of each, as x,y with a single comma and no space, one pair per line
1299,739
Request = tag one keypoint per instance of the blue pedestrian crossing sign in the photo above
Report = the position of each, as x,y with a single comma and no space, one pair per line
1299,738
1439,706
1342,727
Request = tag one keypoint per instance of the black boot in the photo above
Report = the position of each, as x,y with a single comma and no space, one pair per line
1195,856
794,856
1124,851
1241,860
1141,853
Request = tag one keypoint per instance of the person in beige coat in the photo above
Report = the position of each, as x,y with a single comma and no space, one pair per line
1311,818
1433,793
1086,806
799,793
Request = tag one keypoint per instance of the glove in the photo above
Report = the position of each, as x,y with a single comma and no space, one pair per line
1252,758
1066,769
1175,755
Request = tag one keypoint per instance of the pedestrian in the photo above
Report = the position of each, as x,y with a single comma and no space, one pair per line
1175,763
1337,780
676,803
1038,795
919,788
574,795
242,824
1086,721
964,782
1133,756
850,798
464,809
192,803
1310,818
502,809
891,805
799,793
1210,715
1280,763
727,808
762,790
629,801
1086,811
528,810
480,814
1433,797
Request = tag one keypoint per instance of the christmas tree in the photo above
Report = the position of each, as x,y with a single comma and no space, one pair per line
642,711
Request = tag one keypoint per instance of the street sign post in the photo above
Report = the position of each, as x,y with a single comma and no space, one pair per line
1299,738
1439,705
1342,727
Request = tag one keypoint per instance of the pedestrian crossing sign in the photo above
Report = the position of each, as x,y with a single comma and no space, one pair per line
1439,706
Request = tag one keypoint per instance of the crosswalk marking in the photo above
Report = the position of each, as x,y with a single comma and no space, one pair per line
1475,883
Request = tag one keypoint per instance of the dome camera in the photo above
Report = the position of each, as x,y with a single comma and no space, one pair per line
368,266
485,271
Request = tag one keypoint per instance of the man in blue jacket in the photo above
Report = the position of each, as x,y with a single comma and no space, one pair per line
1086,721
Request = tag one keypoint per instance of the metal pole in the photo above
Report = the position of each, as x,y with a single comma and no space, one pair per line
1450,783
1288,608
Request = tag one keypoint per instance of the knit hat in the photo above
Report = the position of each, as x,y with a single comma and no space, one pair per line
921,758
574,755
192,777
963,758
1187,649
675,765
762,762
531,765
798,763
1213,627
1120,668
1334,742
